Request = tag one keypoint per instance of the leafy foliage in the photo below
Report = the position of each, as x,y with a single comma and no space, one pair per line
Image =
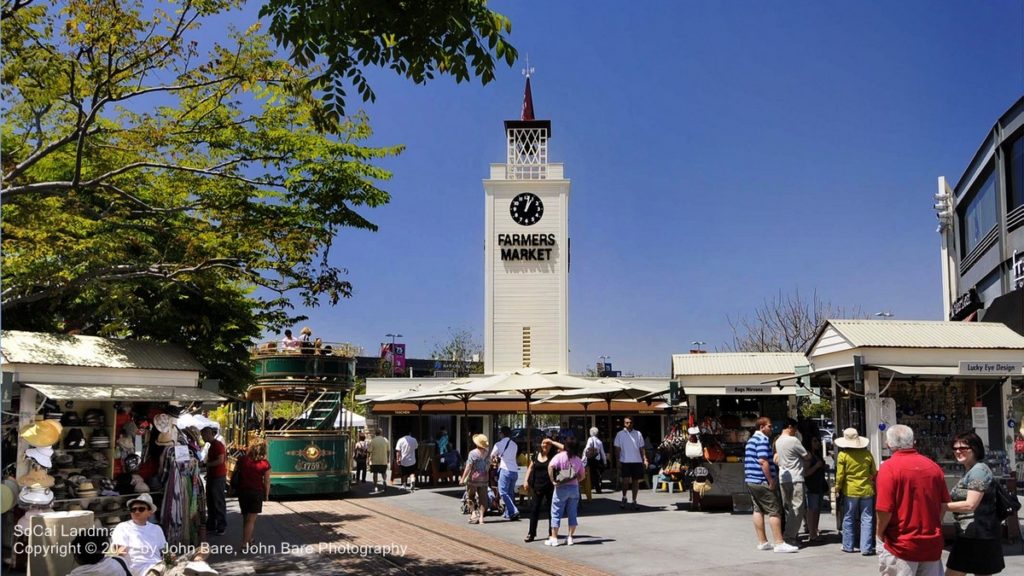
149,190
786,323
460,353
415,38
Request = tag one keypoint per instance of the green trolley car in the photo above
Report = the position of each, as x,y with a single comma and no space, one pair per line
309,452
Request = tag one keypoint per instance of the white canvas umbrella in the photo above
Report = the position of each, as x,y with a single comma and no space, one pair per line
352,419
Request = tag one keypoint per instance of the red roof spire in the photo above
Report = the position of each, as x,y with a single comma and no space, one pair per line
527,113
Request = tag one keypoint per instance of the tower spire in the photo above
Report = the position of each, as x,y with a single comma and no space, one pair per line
527,113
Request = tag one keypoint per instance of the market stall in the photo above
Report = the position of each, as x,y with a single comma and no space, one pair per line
96,425
727,396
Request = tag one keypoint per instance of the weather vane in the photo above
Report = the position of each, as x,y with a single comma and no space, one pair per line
528,71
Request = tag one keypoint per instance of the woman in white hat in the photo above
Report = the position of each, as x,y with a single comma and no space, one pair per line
855,481
475,476
139,541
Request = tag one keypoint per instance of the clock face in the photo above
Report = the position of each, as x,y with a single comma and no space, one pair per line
526,209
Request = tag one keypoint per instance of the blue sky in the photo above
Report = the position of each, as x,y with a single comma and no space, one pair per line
719,152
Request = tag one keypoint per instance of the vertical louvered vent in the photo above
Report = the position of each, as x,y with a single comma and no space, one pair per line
526,346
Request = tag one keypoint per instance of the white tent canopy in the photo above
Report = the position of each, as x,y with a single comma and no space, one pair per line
348,418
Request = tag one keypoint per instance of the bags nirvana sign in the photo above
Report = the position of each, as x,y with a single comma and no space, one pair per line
526,246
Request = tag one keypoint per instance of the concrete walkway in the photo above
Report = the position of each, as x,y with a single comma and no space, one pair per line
425,533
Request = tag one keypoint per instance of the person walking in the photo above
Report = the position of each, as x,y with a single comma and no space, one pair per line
474,478
378,457
791,455
912,497
504,453
565,472
538,485
855,480
405,458
977,548
760,475
216,482
360,453
253,488
631,459
595,459
815,484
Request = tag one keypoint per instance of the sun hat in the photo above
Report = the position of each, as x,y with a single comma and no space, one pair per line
42,456
111,520
86,489
36,476
95,417
851,439
36,495
112,506
145,499
480,440
169,438
42,433
99,439
163,422
75,439
6,498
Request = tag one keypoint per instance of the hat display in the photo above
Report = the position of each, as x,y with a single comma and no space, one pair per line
70,418
75,439
36,476
169,438
86,489
52,411
95,417
111,520
480,440
36,495
100,439
112,506
144,499
851,439
42,433
41,456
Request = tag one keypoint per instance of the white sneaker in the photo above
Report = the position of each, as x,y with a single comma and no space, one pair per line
764,546
785,548
568,541
551,542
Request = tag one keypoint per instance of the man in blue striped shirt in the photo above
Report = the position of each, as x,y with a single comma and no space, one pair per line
761,476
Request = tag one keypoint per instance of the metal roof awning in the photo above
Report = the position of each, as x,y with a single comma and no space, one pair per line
123,392
810,374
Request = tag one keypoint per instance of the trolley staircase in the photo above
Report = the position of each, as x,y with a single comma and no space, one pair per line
324,410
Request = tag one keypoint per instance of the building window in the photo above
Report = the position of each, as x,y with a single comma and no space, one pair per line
980,216
1015,173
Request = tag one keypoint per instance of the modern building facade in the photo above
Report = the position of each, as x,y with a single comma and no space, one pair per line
526,257
981,220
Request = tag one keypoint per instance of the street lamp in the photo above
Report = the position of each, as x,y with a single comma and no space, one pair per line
698,344
391,351
884,315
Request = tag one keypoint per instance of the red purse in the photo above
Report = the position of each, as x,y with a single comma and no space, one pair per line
1018,445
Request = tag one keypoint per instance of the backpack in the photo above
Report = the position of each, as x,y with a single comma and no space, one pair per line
1006,503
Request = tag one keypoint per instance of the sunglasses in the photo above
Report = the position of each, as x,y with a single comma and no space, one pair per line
961,448
135,509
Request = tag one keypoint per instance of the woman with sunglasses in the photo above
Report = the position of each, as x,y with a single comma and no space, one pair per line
977,548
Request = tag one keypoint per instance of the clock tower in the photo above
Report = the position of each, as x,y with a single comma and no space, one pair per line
526,259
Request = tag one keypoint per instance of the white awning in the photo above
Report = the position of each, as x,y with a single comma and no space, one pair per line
121,392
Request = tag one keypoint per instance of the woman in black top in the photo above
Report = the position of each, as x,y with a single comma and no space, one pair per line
815,484
539,486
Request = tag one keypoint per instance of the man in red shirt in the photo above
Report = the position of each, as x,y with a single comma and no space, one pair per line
216,482
911,498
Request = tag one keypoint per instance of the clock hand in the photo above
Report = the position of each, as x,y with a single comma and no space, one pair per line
528,202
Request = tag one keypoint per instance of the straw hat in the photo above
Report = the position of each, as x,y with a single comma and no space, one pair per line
36,476
480,440
851,439
6,498
41,456
305,330
169,438
145,499
42,433
86,490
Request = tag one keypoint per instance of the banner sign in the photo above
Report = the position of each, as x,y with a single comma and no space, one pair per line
991,368
748,390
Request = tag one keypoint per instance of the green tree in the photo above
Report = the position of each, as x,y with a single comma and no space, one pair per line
414,38
149,189
460,353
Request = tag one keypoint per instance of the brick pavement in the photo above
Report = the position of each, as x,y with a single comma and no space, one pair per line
326,536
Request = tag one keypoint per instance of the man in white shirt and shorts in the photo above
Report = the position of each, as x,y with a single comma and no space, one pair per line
630,458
